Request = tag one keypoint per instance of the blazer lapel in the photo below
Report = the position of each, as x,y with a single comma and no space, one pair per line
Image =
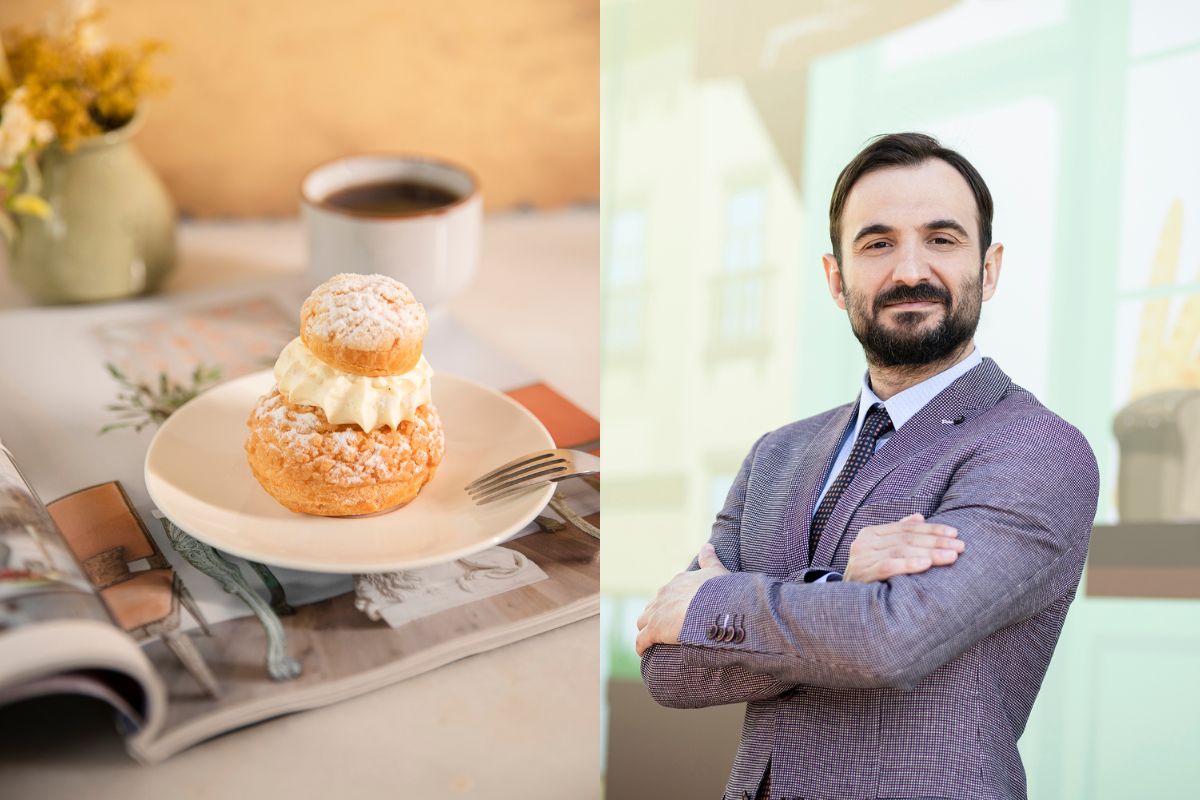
978,389
809,477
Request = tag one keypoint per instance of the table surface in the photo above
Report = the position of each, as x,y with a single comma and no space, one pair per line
521,721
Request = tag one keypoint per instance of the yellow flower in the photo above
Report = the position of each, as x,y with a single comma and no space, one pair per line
30,204
75,85
19,130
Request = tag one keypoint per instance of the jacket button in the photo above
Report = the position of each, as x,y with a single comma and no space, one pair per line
739,635
727,634
712,632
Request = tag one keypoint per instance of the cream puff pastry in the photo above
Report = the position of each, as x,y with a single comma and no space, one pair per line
350,428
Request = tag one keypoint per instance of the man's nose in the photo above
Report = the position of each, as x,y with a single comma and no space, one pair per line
911,267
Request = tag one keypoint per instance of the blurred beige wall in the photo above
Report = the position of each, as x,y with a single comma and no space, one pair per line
264,90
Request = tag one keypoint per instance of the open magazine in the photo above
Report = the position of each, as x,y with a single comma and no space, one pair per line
94,600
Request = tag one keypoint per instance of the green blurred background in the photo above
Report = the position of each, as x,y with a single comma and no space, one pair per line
723,128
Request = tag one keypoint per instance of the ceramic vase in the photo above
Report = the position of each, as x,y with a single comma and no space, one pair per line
112,231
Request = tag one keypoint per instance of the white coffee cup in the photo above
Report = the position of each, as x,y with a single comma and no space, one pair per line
433,251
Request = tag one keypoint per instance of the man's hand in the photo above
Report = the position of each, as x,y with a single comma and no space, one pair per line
662,620
901,548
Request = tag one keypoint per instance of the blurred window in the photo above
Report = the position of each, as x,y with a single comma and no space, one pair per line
740,287
625,307
969,26
745,214
1162,26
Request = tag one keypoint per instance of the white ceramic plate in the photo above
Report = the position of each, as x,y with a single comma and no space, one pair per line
197,475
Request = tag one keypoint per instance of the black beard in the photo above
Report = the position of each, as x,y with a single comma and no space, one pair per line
903,345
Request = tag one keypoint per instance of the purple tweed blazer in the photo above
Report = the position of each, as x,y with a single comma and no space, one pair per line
916,687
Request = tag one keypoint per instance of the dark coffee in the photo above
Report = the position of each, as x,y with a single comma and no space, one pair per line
388,198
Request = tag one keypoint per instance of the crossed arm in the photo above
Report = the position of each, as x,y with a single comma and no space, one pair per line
1023,504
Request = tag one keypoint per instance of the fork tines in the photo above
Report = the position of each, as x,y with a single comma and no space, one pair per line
515,476
532,459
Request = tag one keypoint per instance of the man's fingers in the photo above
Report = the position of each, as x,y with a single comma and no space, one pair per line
909,561
916,522
891,567
917,564
937,555
917,526
643,642
643,618
943,557
907,546
912,539
708,557
903,528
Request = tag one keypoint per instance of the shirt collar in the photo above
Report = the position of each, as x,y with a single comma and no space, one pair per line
902,406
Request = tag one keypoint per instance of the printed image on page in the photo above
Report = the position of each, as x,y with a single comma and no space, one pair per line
39,578
56,635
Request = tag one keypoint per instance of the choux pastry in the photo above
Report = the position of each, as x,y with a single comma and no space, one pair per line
364,324
350,427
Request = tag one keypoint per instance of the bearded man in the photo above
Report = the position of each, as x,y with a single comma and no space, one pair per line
887,580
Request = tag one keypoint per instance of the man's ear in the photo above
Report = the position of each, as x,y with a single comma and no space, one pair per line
833,278
992,261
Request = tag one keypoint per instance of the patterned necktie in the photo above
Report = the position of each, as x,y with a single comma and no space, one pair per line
876,424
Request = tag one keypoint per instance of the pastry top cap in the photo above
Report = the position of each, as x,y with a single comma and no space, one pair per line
363,312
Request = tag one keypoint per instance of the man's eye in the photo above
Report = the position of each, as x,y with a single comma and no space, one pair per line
942,240
878,245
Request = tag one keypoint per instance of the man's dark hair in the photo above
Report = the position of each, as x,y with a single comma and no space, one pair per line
907,150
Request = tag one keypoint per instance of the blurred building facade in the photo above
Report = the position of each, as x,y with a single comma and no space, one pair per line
717,325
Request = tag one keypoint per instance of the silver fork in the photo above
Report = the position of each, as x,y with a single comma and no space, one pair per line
532,470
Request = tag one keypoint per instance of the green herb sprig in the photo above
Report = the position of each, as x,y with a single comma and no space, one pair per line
140,404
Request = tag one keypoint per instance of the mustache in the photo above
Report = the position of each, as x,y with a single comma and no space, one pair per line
921,293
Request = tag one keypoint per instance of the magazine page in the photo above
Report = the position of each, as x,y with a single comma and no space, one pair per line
344,653
83,657
56,635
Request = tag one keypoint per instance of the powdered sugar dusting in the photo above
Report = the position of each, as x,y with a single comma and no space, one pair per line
375,460
302,442
364,312
297,420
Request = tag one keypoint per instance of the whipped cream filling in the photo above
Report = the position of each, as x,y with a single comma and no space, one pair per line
369,402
